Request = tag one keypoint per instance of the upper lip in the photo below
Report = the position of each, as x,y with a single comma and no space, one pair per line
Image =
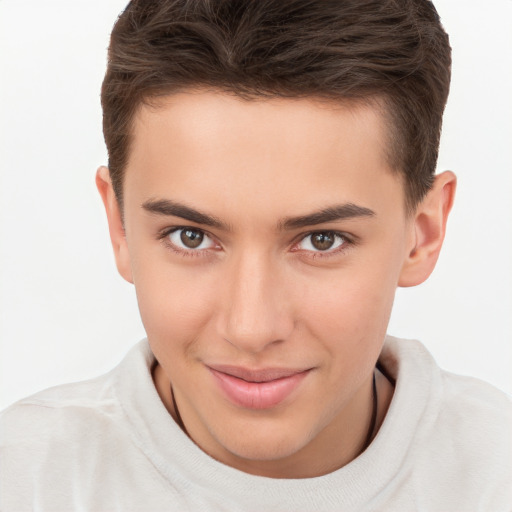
257,375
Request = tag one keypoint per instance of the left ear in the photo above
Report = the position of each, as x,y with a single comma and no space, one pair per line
429,225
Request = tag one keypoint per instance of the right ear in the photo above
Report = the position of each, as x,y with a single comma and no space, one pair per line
115,223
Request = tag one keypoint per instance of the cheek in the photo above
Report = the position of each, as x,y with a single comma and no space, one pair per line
349,317
351,313
175,305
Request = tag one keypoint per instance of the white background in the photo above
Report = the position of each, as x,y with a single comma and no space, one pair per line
66,315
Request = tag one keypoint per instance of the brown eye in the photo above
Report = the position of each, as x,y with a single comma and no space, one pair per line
323,241
191,238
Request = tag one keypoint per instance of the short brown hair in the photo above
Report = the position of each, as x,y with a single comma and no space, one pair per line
392,50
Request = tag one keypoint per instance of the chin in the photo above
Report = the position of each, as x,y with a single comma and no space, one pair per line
264,445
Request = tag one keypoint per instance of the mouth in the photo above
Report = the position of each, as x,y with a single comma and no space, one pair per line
257,389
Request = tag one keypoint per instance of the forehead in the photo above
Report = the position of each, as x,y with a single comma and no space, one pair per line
281,151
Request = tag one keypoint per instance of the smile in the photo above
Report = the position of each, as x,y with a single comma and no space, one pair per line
257,389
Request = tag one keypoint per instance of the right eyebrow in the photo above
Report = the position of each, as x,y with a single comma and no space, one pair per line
171,208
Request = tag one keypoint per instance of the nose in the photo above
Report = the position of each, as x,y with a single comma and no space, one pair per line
255,311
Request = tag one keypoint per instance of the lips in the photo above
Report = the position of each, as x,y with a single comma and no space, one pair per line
257,389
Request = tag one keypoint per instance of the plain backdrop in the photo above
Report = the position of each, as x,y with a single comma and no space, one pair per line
66,315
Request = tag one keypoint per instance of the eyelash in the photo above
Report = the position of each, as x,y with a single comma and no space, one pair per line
191,253
348,241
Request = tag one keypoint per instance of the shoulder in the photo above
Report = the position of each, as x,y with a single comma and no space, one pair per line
478,417
46,437
57,413
462,393
73,408
458,429
472,438
77,443
446,402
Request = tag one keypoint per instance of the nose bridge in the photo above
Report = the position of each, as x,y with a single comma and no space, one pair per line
254,312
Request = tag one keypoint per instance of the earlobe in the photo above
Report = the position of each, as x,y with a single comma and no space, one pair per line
429,226
115,223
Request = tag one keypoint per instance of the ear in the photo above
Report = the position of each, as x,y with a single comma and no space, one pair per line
429,227
115,223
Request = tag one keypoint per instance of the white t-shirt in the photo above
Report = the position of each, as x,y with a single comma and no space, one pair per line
109,444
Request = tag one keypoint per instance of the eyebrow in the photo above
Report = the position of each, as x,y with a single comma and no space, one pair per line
332,213
168,207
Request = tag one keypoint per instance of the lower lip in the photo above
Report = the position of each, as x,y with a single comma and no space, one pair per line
257,395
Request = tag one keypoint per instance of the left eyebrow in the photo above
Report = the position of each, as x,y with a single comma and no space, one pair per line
329,214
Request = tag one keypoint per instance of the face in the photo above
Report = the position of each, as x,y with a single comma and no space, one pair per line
265,239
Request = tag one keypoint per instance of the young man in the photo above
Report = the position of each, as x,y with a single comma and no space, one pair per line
270,184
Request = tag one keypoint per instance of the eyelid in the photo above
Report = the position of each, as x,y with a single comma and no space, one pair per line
349,241
163,235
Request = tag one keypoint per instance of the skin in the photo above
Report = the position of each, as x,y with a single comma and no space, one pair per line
257,293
